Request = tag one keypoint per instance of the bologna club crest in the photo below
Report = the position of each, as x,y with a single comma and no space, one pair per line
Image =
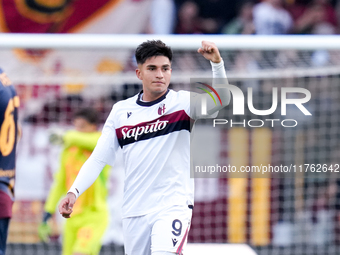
161,109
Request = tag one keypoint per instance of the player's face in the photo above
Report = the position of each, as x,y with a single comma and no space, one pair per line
82,125
155,74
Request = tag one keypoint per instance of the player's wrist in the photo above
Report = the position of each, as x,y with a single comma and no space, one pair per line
73,193
216,60
216,65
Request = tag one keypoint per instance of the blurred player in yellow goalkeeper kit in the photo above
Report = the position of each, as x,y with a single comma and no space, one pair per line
84,231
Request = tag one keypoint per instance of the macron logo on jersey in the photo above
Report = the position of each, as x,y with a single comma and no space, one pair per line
163,125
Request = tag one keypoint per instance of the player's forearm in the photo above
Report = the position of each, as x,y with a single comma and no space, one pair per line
203,105
87,175
212,107
219,80
218,70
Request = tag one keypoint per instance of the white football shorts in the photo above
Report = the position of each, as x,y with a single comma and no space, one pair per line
162,231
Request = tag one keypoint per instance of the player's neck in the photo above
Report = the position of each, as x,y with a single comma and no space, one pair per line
149,97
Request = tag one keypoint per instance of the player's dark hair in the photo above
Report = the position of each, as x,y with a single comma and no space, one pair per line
89,114
150,49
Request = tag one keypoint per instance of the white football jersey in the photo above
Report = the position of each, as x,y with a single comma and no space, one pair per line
155,141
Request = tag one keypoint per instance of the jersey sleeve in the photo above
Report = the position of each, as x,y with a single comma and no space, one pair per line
104,153
218,70
219,82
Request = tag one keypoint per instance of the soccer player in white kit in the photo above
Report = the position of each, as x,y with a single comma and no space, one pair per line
153,131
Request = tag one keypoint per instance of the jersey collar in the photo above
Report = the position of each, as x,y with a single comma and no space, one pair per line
141,103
